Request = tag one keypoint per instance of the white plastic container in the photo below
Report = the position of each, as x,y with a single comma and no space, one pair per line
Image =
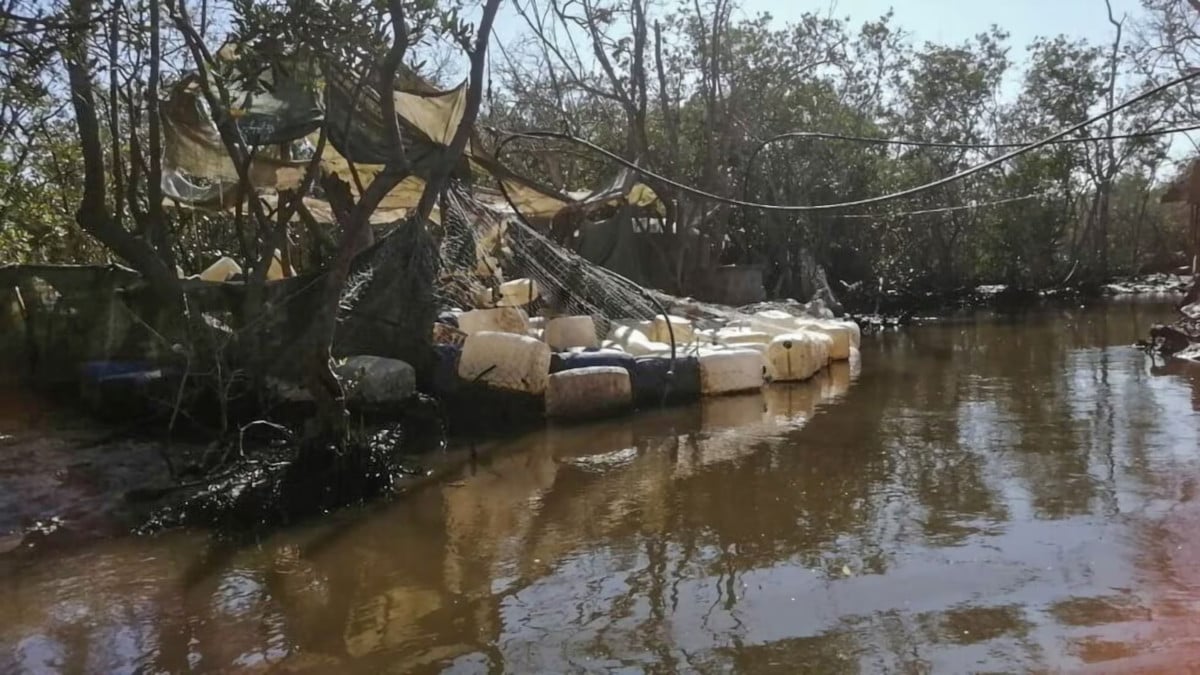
728,371
620,328
588,392
680,328
759,347
823,344
742,336
565,332
841,333
517,293
773,322
652,349
855,333
614,346
221,270
793,357
634,337
505,361
774,315
498,320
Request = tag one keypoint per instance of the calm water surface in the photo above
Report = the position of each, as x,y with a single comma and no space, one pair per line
988,494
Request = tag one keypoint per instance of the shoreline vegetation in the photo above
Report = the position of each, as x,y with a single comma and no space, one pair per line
262,483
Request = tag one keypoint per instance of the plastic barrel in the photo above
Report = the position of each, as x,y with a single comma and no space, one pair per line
727,372
505,361
565,332
591,392
654,385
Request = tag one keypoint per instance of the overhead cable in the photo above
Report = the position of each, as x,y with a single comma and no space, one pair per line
876,140
943,209
859,202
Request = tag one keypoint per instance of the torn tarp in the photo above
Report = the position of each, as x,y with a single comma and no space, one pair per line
278,117
197,167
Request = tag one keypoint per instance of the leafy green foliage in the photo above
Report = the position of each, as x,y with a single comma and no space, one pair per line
728,83
691,89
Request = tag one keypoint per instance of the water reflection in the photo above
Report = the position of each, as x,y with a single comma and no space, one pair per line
994,493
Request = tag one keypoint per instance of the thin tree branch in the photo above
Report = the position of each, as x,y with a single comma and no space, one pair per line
462,135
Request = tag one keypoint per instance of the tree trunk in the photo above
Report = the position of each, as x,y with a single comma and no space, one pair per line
355,218
94,215
1103,216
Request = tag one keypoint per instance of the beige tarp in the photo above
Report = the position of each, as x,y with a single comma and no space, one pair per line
192,146
193,149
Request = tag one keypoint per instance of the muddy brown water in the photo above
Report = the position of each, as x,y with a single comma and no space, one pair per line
989,494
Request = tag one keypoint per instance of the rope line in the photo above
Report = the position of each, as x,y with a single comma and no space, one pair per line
970,171
875,140
944,209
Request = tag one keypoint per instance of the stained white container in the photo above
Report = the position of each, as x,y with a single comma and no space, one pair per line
634,337
497,320
565,332
680,328
517,293
594,391
728,371
506,361
793,357
741,336
840,331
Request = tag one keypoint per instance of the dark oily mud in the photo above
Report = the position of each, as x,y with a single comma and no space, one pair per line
301,477
68,477
62,474
288,485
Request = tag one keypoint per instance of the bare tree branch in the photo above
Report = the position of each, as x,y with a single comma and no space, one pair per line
94,215
452,154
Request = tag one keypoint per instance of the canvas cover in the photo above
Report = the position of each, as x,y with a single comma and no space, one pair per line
279,117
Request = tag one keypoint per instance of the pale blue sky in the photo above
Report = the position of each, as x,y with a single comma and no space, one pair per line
941,20
954,20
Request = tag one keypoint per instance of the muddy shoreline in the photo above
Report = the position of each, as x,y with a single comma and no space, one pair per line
900,308
1175,340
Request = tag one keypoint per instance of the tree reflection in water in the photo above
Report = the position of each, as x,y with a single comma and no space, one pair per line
999,493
